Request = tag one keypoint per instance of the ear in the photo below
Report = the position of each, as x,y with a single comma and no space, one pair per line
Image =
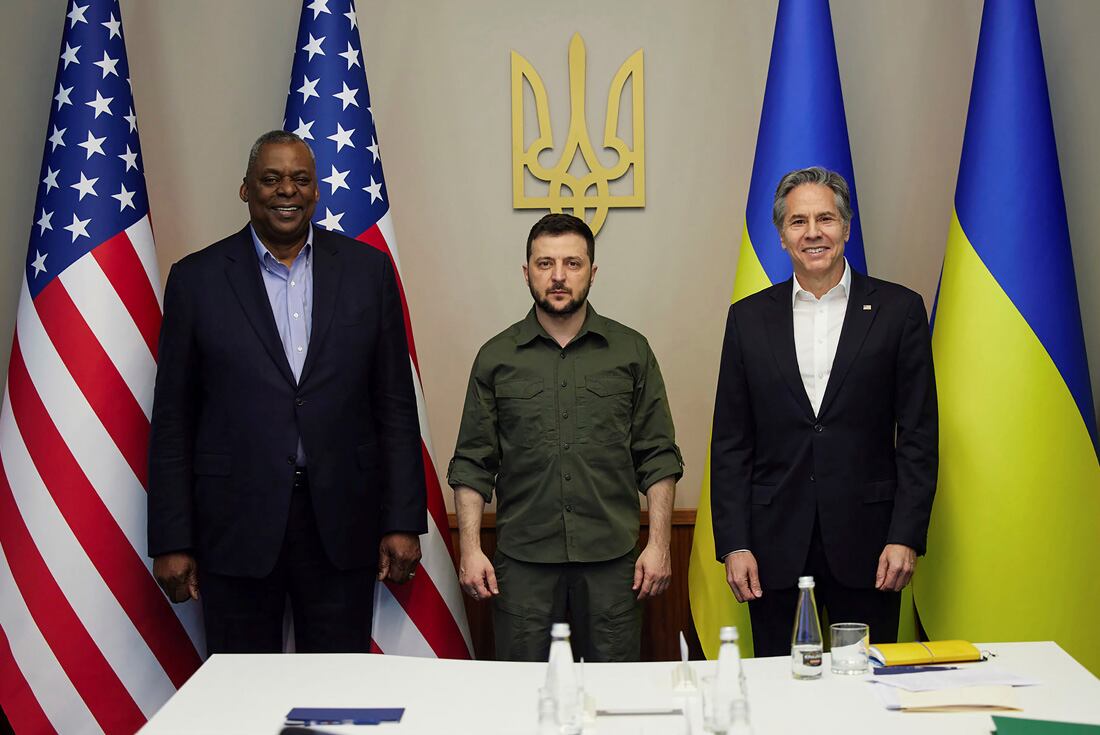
526,277
244,191
592,278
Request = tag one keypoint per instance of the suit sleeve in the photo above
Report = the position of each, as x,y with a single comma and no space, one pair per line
917,442
172,425
731,449
404,497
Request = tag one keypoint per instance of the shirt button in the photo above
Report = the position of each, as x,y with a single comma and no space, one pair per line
563,354
292,283
565,414
568,477
565,447
291,459
568,509
818,428
295,315
564,383
299,349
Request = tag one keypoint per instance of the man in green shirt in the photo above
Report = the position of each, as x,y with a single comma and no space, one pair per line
566,417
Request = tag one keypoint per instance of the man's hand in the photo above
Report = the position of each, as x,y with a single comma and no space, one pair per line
177,575
398,555
743,576
895,567
652,571
477,576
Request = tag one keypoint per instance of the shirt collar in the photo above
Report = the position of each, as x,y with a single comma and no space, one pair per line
530,328
845,285
263,253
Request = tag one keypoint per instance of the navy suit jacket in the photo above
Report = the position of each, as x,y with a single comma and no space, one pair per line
865,465
227,411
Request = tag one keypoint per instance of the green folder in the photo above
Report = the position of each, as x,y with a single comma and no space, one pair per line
1021,726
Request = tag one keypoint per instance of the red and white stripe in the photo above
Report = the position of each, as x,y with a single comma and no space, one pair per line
426,616
88,642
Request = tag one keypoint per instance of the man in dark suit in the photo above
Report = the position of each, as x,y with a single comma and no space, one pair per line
824,451
285,454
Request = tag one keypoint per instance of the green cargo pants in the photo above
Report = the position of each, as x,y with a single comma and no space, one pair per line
595,598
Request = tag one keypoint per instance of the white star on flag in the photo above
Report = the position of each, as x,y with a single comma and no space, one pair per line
375,190
100,104
39,263
79,227
56,137
114,26
51,179
313,48
347,96
308,88
350,15
337,179
62,97
44,222
107,64
132,119
318,7
342,137
331,221
125,199
69,55
76,15
93,144
352,55
303,129
129,157
373,148
85,186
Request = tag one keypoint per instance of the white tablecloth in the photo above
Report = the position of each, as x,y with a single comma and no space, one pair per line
243,694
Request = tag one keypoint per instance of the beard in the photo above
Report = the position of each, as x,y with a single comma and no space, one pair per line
570,307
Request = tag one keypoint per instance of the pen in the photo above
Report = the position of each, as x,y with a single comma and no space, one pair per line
884,670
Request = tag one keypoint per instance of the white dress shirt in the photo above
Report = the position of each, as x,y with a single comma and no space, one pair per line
817,324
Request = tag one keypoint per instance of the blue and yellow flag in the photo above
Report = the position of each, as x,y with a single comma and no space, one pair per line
801,124
1014,538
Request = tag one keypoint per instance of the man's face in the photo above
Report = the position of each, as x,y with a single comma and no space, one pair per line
813,233
559,273
281,192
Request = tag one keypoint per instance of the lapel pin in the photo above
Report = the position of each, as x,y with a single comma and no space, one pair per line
866,307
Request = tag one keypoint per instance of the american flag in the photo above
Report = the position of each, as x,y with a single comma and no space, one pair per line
328,105
88,643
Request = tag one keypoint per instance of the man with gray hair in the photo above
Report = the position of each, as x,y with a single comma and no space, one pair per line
285,454
824,451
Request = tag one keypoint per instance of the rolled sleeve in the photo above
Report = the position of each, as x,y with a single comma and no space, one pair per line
653,437
477,451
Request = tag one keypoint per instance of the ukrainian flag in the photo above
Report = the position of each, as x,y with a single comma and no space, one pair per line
802,124
1015,532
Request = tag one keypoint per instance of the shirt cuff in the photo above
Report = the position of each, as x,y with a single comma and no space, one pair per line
731,553
654,469
465,473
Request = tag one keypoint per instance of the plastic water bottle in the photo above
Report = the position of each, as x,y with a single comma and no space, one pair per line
806,640
739,719
729,675
561,681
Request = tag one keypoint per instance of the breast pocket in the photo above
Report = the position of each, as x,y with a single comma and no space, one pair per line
604,409
519,411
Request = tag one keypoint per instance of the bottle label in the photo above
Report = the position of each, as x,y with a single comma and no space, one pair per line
811,658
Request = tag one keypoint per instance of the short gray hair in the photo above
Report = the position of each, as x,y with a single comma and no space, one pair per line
274,136
812,175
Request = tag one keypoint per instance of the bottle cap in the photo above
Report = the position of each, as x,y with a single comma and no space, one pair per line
559,630
727,633
805,583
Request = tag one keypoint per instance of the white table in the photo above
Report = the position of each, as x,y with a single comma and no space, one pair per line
242,694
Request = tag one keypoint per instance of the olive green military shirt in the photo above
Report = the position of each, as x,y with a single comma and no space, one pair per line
567,437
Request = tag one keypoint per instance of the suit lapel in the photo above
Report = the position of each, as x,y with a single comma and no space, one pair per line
243,272
857,320
780,328
326,285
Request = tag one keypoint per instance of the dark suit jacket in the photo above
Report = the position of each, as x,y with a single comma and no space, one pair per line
227,412
866,465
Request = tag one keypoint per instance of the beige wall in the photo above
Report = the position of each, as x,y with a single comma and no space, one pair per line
209,75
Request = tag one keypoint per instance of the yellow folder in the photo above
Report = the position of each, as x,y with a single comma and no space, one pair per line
928,652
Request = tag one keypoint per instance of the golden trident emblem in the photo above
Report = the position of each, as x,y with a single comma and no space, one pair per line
590,191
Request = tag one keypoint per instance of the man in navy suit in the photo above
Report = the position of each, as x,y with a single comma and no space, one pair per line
285,455
824,451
